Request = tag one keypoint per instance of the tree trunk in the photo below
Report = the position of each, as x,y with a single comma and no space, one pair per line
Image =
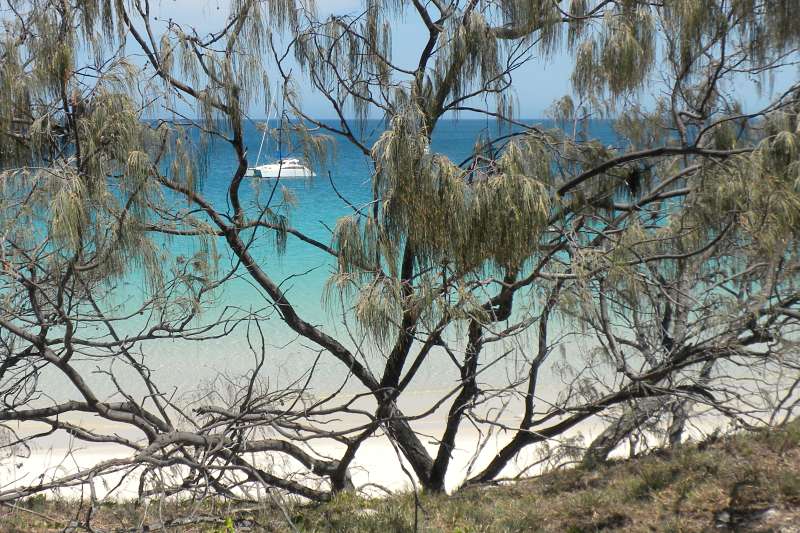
611,437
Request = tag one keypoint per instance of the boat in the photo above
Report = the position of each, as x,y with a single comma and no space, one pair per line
280,169
283,168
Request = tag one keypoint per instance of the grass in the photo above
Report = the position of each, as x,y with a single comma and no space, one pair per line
746,482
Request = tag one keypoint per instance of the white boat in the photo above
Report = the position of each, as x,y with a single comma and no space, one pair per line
280,169
283,168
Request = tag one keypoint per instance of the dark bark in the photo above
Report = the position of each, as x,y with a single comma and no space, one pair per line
621,428
469,390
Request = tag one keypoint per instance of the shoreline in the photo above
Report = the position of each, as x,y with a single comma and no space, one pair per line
377,467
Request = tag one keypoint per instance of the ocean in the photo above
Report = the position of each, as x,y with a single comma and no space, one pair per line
302,270
207,372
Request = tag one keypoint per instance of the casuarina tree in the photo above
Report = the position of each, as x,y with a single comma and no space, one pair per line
565,288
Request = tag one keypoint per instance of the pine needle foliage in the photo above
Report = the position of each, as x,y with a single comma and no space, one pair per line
663,264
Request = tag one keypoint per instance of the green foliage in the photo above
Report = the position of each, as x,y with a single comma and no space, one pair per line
228,527
621,56
677,247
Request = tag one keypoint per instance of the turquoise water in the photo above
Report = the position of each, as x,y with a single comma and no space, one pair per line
318,207
302,270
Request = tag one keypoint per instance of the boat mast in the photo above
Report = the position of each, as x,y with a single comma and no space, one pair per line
261,146
264,136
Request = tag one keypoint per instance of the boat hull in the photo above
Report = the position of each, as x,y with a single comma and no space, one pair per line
276,171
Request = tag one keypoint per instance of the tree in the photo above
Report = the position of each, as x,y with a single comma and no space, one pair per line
665,267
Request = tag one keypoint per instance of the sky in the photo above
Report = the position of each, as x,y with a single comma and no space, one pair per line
541,82
537,84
